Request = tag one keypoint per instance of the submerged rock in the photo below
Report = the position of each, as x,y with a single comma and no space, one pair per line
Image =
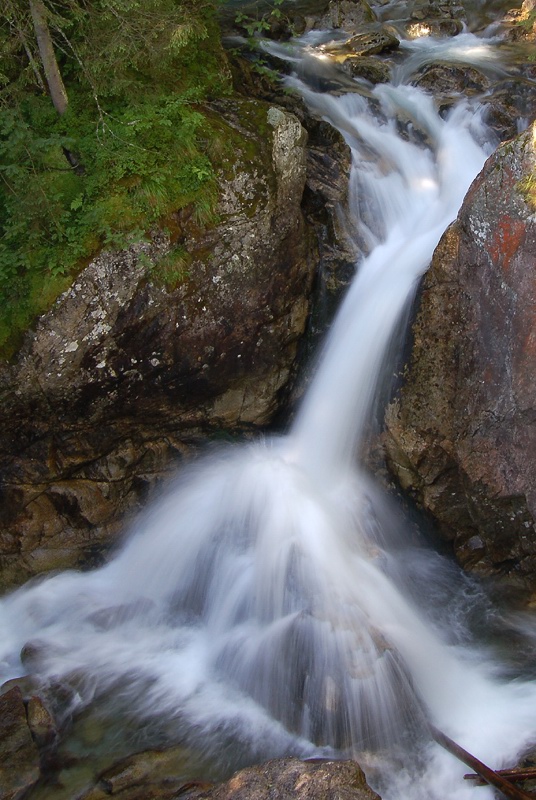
150,775
156,774
448,81
462,434
438,19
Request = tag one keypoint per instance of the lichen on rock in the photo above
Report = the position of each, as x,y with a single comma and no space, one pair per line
127,368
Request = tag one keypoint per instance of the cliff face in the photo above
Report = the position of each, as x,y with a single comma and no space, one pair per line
190,333
462,434
195,333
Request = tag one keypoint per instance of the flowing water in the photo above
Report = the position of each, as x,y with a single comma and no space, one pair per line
272,603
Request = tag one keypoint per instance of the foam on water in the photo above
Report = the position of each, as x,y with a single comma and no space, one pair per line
463,49
271,603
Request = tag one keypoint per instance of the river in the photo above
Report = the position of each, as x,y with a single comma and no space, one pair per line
273,602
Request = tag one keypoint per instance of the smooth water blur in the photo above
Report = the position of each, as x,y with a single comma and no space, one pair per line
411,194
464,49
273,602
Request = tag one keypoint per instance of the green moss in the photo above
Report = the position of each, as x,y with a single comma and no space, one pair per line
29,297
144,145
143,161
172,269
528,21
527,187
148,161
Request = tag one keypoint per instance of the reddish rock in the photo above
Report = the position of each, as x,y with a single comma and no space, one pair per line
462,434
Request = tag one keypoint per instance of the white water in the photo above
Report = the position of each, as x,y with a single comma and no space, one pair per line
416,193
270,604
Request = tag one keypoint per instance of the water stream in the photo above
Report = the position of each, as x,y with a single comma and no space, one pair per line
272,602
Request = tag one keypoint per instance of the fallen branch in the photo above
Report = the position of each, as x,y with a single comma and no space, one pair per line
509,789
514,774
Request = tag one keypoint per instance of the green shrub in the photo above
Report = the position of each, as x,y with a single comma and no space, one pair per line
134,130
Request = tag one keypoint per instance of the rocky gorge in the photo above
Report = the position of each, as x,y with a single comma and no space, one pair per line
134,370
131,370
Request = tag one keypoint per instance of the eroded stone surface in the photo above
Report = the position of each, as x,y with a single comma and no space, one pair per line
291,779
149,775
462,434
126,368
19,757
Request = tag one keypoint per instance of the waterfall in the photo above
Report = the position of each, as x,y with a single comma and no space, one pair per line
272,602
415,193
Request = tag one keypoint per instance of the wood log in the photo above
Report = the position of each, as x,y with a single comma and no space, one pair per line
514,774
507,788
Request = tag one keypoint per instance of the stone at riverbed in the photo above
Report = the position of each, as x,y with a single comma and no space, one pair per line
155,775
438,19
348,16
41,723
150,775
462,434
19,756
292,779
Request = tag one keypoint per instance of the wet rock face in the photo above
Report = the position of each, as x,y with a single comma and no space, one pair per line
32,757
344,15
298,16
149,775
292,779
19,756
462,435
156,774
440,19
192,332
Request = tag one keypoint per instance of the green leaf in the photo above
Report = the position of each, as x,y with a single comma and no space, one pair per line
77,203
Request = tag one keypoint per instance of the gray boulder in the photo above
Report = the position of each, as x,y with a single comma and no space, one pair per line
191,333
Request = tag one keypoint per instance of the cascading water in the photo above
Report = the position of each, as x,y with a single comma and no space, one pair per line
269,605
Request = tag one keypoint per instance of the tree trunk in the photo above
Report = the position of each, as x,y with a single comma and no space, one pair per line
509,790
48,56
52,72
